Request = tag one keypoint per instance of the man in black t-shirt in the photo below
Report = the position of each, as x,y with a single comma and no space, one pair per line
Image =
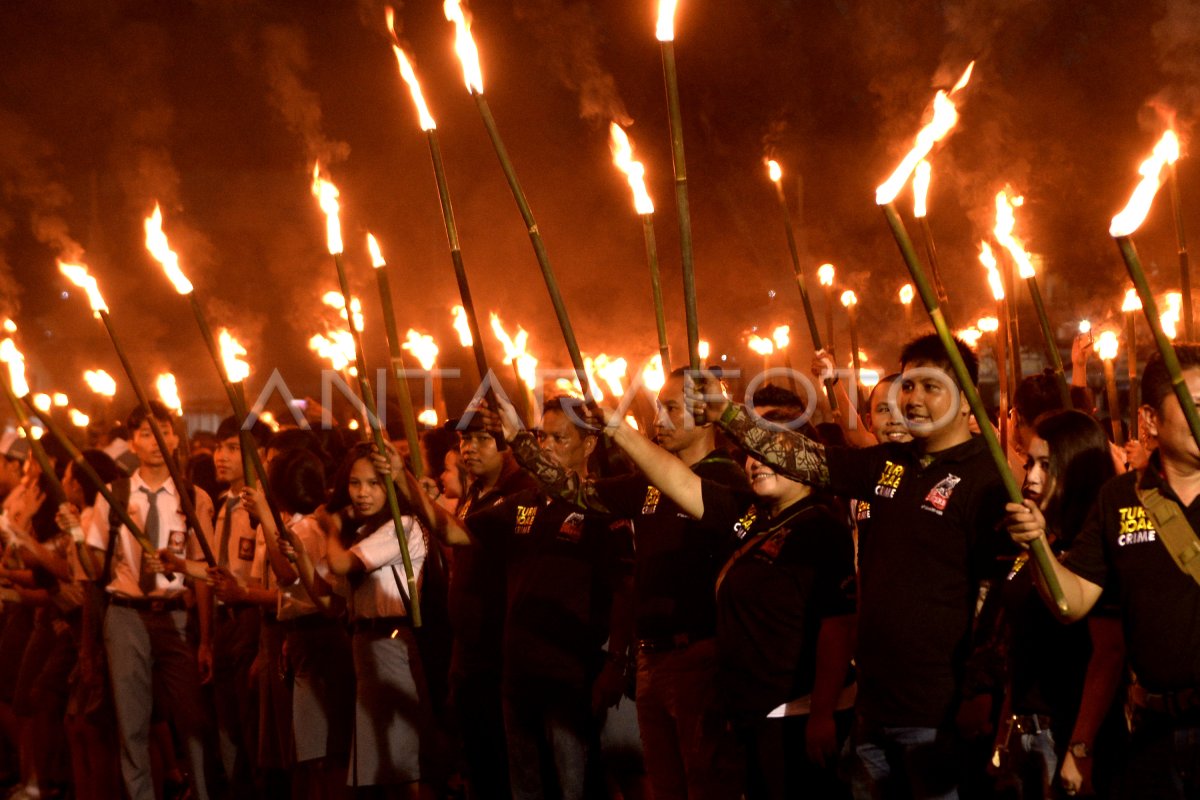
688,751
1121,549
931,538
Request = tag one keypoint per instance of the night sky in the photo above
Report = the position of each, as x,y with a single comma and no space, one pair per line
218,108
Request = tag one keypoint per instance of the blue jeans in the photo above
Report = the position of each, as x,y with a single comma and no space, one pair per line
551,737
887,762
1032,766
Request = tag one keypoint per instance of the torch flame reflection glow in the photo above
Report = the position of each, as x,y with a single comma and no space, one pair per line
236,369
1106,345
327,195
464,45
168,392
1166,152
100,382
945,116
11,356
635,173
160,248
78,275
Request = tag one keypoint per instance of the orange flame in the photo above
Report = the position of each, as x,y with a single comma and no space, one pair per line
156,243
78,418
269,420
921,177
906,293
338,348
782,337
969,335
774,172
168,392
612,371
464,45
1170,317
335,299
988,259
461,326
635,173
9,326
945,116
1166,152
849,298
236,369
514,350
988,324
703,349
78,275
1006,220
1132,301
665,30
589,368
428,417
1085,326
653,376
41,401
11,356
1106,346
410,77
100,382
327,195
760,345
376,254
825,274
422,347
60,400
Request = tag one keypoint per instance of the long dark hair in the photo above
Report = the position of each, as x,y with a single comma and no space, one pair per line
339,497
1080,463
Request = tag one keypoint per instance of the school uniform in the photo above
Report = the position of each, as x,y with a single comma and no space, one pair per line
393,740
275,746
145,636
318,657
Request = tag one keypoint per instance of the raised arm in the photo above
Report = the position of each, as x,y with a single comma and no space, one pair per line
435,519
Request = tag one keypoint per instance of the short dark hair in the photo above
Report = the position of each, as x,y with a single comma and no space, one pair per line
104,466
1037,395
929,349
771,395
1156,381
886,379
231,426
157,409
573,409
298,480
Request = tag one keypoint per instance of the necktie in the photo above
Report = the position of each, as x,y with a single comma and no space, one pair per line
147,581
226,531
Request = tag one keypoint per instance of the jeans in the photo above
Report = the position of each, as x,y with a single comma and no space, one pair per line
1164,761
1032,766
550,735
889,762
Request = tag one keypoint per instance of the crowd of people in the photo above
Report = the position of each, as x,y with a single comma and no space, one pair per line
745,601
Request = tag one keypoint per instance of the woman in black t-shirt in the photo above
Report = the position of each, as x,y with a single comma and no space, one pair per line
785,618
1067,462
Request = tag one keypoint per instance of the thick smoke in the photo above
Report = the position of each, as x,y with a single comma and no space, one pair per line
284,54
570,39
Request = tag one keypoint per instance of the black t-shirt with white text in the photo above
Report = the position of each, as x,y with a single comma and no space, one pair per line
929,535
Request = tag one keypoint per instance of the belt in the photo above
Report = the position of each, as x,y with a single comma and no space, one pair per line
308,622
1172,704
387,625
151,605
1029,723
665,644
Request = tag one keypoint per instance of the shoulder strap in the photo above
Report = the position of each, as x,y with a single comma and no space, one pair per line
1174,531
120,492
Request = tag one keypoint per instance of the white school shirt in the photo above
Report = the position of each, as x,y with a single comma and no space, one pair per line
243,541
172,534
383,591
294,600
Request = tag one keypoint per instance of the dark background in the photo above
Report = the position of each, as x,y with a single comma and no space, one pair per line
217,109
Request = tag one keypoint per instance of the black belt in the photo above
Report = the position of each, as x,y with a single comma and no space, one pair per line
1173,704
665,644
151,605
379,624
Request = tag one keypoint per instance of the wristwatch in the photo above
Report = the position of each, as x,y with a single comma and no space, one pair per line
1079,749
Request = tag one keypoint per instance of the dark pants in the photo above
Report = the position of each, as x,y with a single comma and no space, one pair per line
475,698
148,657
689,750
921,763
777,766
1164,760
235,698
553,743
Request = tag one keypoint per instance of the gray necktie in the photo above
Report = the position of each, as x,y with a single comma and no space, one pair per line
146,581
226,531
